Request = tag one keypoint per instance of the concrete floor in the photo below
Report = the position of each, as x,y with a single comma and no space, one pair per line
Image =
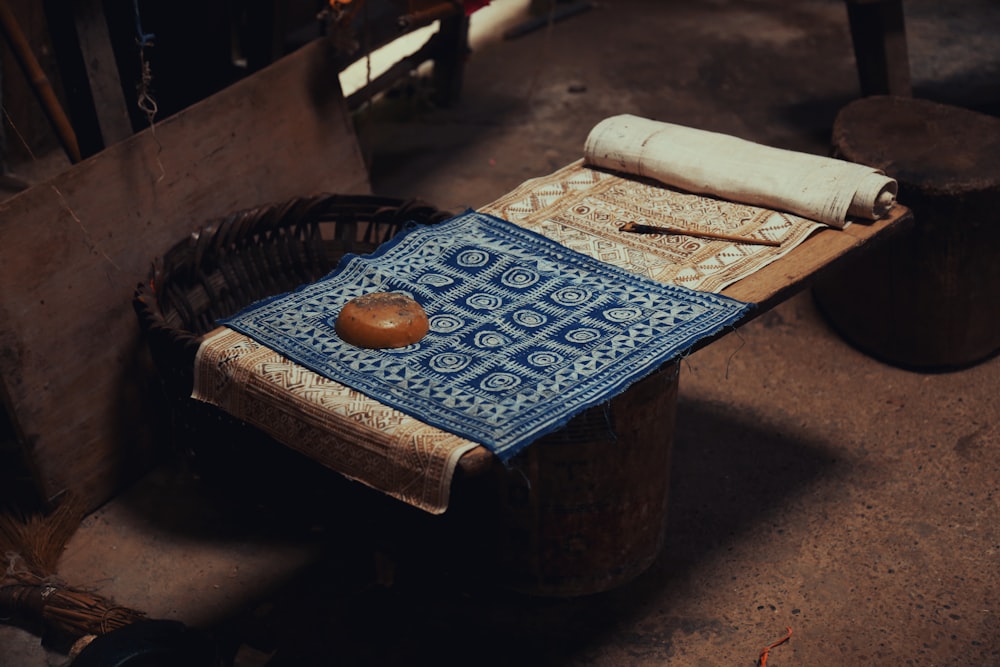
812,487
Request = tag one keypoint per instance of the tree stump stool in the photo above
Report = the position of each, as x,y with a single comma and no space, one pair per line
930,300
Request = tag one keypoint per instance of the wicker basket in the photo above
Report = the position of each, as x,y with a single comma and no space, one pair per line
234,261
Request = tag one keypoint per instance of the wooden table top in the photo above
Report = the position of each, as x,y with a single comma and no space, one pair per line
794,272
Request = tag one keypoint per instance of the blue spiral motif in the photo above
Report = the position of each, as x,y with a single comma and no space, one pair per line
449,362
435,280
483,301
445,323
571,296
473,257
583,335
544,358
491,340
625,314
499,381
530,318
402,351
519,277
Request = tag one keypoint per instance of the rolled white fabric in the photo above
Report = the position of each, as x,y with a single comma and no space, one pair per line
819,188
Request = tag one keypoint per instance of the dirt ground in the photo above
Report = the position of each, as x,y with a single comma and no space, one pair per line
812,487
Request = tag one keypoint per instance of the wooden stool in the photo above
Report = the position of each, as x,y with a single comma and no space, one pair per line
929,300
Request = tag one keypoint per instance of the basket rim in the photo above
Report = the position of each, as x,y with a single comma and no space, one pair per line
174,347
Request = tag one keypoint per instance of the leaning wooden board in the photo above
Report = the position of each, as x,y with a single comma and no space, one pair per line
74,371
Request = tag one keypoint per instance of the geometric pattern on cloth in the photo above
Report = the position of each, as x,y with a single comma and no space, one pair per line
582,208
332,424
524,332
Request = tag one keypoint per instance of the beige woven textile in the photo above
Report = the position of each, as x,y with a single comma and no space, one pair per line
577,206
337,426
582,208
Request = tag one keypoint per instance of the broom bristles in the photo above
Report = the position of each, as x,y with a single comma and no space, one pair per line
39,539
32,546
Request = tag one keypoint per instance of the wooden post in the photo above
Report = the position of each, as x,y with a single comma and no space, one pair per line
878,32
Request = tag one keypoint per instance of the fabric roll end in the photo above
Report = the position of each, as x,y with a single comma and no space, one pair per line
874,198
884,202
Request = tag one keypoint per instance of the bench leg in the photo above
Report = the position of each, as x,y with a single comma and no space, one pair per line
878,33
449,60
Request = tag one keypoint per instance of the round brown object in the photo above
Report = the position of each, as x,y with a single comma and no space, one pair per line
382,320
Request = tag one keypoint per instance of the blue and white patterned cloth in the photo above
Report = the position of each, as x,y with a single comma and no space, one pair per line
524,333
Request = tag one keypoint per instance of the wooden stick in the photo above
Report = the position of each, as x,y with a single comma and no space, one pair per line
39,83
429,15
650,229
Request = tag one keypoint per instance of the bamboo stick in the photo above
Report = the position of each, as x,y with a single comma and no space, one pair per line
39,82
651,229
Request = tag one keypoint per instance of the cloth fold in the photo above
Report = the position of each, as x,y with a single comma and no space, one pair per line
819,188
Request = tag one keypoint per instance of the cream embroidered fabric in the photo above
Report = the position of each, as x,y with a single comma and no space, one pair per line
328,422
582,208
815,187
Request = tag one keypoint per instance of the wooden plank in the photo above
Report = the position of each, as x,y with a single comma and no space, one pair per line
795,271
74,371
102,71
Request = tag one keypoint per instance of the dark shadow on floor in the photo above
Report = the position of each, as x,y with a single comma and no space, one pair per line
729,474
814,118
729,471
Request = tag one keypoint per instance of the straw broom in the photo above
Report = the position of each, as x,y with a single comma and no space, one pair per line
29,591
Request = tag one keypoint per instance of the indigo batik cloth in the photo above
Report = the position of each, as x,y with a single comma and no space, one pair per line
524,333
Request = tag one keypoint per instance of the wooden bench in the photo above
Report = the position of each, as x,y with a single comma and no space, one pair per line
572,524
76,377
